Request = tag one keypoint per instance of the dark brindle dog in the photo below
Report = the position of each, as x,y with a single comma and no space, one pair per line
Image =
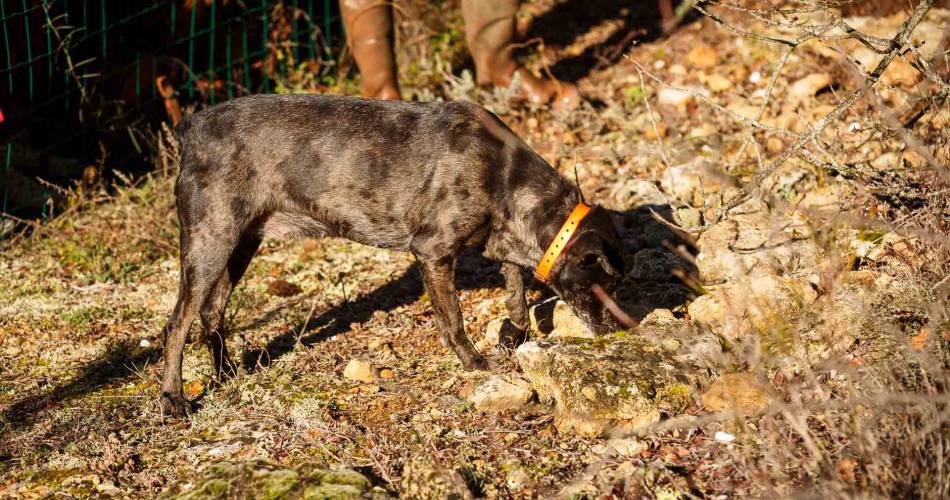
425,178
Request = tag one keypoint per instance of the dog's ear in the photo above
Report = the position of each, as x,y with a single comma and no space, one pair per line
609,252
598,257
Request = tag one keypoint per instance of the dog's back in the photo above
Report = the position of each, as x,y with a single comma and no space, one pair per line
377,172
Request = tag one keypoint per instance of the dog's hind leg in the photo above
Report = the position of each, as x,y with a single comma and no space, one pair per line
212,312
439,278
209,236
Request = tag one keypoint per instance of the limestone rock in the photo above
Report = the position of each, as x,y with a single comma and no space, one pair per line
736,391
360,370
810,85
716,82
500,393
492,334
426,480
658,316
754,243
757,303
625,447
634,193
618,379
567,325
702,56
693,182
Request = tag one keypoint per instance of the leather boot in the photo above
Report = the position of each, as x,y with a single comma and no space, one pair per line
490,32
369,34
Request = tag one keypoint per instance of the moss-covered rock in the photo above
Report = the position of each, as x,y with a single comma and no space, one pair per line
622,379
424,479
256,479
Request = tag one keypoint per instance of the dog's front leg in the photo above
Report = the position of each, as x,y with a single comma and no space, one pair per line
439,278
515,302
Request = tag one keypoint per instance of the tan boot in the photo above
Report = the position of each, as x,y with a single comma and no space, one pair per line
490,33
369,34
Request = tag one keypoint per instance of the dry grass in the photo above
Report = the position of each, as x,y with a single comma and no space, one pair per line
84,297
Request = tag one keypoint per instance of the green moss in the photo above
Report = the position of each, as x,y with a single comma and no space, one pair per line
345,477
675,398
871,235
278,484
332,492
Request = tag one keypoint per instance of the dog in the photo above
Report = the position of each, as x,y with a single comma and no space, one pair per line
427,178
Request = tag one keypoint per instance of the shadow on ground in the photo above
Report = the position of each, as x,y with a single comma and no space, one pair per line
653,264
560,26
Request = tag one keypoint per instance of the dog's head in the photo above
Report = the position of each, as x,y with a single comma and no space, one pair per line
594,256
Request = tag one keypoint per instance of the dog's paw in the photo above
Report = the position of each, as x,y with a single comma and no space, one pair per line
476,363
175,406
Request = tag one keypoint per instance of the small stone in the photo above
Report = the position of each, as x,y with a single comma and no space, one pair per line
580,424
492,336
501,393
654,132
568,325
387,374
717,83
724,437
774,145
702,56
688,217
282,288
810,85
673,97
900,73
360,370
659,316
755,77
625,447
703,130
589,392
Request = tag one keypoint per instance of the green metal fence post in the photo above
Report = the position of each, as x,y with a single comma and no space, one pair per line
326,23
293,31
265,33
227,64
29,50
6,45
6,173
211,53
105,28
191,50
65,73
246,60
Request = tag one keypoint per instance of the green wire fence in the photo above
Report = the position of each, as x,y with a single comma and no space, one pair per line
75,74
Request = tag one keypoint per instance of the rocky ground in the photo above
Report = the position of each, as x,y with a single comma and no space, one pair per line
798,344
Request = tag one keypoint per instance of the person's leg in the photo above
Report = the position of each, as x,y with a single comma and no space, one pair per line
490,33
369,34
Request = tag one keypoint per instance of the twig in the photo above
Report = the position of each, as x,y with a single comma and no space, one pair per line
900,40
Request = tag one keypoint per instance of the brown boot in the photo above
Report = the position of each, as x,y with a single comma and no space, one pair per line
369,34
490,32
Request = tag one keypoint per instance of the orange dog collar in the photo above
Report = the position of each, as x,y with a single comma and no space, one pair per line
560,242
